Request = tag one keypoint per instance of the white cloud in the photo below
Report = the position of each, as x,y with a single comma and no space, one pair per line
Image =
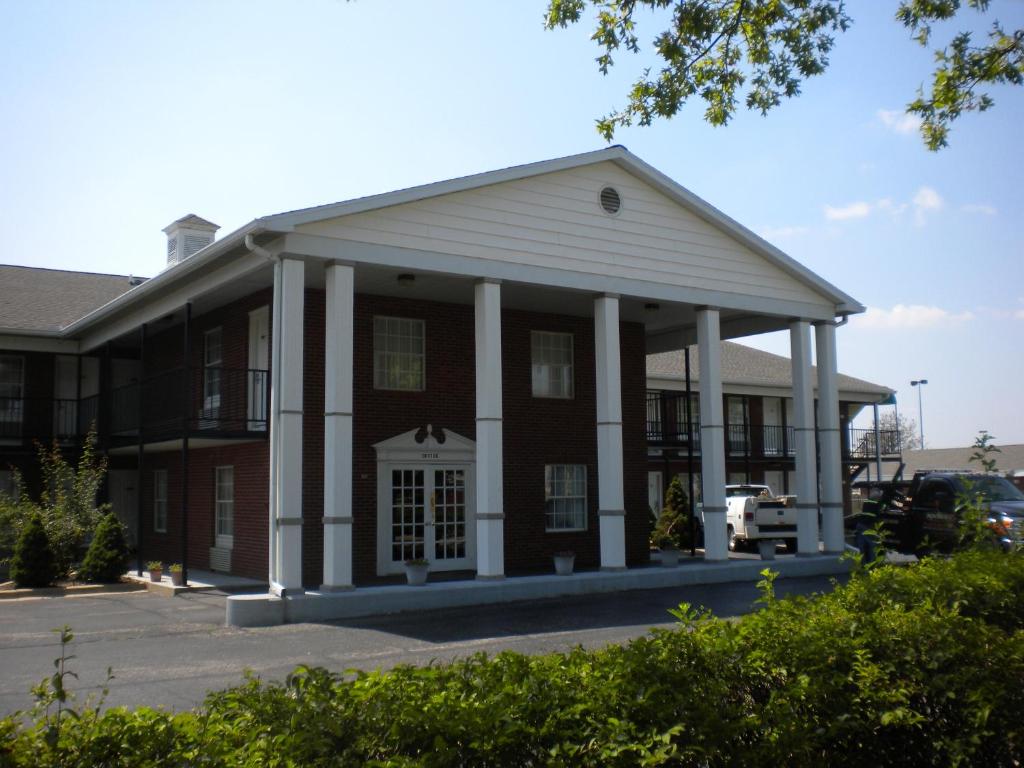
895,209
916,316
926,201
1019,314
857,210
782,233
983,208
899,122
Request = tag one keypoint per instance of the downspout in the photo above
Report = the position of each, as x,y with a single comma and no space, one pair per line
273,420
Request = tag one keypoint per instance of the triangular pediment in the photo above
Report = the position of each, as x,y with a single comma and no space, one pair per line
426,444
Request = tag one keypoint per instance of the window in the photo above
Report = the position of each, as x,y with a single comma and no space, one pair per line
565,497
551,356
224,506
12,390
739,419
398,354
212,359
160,500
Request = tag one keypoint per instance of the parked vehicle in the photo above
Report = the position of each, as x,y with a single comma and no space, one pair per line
755,513
931,513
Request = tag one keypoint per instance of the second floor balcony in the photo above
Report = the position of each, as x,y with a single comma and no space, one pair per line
206,402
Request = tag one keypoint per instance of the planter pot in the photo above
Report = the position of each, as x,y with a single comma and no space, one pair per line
156,575
766,548
564,564
670,557
416,575
176,578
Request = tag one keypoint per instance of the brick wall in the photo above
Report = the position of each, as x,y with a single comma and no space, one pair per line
536,432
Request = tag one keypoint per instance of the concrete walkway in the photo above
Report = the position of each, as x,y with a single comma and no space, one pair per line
260,610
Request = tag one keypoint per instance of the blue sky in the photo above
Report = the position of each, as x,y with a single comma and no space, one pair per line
119,117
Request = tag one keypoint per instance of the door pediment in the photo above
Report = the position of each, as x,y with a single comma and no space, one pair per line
422,445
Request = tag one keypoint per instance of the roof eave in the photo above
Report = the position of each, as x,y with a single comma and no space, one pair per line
169,276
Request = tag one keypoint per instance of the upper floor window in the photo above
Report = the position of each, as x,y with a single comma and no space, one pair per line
12,390
398,354
213,359
551,358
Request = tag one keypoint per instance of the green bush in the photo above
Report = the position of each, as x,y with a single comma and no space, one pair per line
915,666
673,524
32,564
107,557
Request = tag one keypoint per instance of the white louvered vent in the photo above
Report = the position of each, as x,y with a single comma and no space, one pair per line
610,200
195,243
172,250
220,559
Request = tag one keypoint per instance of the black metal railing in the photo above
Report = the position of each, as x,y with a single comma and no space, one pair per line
777,441
666,420
211,400
863,445
38,418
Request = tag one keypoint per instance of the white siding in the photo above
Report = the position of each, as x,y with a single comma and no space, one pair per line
555,220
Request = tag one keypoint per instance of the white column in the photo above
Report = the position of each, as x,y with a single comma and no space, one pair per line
338,429
610,497
828,438
286,427
803,431
712,435
490,514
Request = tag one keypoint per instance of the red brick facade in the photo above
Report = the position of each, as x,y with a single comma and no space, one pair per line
537,431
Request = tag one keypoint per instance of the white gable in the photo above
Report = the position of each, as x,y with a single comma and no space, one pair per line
409,447
555,220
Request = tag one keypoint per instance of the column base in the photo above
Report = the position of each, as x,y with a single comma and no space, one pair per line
336,588
489,577
613,568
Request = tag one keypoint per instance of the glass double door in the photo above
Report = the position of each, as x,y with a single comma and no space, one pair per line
431,516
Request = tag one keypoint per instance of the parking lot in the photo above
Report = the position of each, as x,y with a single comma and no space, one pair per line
170,651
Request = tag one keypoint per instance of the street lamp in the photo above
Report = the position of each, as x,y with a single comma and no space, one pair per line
920,412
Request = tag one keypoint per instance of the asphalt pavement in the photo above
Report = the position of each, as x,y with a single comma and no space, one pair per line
168,652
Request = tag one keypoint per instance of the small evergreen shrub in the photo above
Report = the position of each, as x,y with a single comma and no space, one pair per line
107,558
672,527
33,563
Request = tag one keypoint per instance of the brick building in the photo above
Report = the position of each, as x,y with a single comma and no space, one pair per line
455,372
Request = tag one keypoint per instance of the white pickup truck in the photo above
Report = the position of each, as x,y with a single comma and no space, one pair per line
754,512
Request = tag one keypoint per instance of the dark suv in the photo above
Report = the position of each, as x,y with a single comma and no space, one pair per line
930,514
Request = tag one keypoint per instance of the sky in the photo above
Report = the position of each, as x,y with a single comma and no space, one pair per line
119,117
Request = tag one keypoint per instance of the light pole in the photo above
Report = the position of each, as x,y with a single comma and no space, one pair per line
920,412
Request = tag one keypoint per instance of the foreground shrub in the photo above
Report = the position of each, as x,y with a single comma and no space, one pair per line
107,558
915,666
33,564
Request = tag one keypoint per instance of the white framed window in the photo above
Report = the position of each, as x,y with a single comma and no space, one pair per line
12,393
551,364
213,359
160,500
565,497
224,506
398,353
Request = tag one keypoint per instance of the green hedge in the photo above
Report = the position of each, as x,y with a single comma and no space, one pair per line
922,665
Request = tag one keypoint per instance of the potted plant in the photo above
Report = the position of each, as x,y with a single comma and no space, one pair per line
176,572
416,571
669,551
156,570
564,562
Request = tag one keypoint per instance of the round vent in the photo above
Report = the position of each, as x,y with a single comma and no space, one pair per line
610,200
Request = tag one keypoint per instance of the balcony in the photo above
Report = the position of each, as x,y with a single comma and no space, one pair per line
863,445
666,421
207,402
25,419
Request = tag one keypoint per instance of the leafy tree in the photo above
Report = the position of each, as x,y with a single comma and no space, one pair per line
713,49
33,563
107,557
906,426
984,447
